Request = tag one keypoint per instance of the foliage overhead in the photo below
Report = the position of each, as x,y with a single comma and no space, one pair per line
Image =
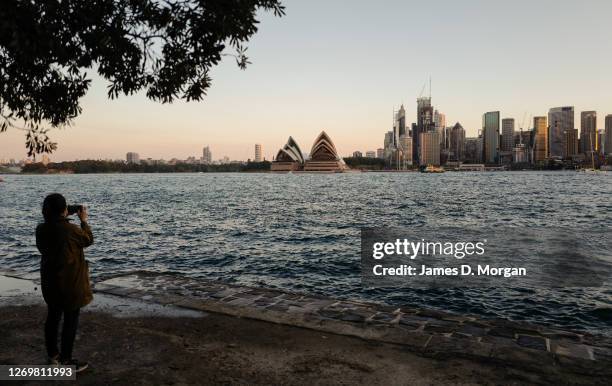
164,47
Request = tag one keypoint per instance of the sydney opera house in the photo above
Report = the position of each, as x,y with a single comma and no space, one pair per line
323,157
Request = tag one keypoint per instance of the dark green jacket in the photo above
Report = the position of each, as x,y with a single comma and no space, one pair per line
64,272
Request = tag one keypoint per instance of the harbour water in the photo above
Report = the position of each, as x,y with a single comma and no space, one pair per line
301,232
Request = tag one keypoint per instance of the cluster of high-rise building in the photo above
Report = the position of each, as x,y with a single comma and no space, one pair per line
429,141
555,137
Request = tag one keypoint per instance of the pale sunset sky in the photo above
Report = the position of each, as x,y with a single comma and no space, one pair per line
343,66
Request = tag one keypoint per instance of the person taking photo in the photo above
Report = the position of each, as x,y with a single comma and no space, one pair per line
64,274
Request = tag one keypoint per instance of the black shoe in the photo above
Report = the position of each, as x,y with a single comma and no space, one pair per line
54,360
79,366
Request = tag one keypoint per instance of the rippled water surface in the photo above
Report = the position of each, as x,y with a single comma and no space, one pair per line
301,232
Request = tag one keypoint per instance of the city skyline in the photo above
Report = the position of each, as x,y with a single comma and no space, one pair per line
336,77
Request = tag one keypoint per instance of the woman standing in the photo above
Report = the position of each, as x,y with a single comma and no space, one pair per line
64,274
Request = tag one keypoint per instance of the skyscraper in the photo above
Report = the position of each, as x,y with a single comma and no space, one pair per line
588,131
424,124
541,139
490,132
399,125
608,141
389,144
258,156
440,126
430,148
206,155
570,143
507,142
457,143
405,150
560,119
380,153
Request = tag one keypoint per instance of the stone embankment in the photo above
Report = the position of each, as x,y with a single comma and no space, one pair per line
427,332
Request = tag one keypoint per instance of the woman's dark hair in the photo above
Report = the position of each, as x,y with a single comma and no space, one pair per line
53,207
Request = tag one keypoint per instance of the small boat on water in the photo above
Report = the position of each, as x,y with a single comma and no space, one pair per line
432,169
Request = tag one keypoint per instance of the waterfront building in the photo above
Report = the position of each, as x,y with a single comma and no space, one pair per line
525,137
507,140
399,125
490,137
380,153
258,154
519,154
324,157
570,143
388,145
440,127
473,150
506,147
430,148
447,137
588,131
600,142
608,140
405,151
132,158
424,124
357,154
520,151
457,143
560,119
370,154
541,139
206,156
288,158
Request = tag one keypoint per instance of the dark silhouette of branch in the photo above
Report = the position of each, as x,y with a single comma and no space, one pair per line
164,47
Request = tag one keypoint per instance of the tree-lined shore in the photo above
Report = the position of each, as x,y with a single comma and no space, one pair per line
98,166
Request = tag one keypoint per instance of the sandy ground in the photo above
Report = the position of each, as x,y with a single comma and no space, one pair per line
138,343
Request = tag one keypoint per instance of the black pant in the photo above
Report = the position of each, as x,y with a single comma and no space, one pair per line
71,322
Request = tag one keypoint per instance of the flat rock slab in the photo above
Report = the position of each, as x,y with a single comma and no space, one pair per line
428,332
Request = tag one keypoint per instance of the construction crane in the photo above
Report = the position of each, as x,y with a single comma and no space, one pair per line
423,89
